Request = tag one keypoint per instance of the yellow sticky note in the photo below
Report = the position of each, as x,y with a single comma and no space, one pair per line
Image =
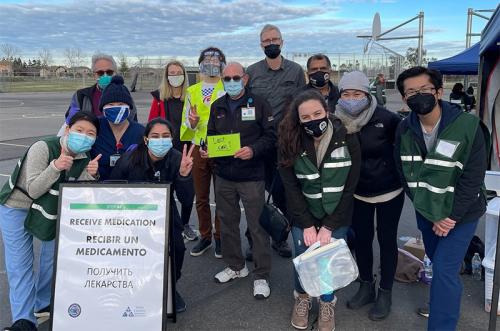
223,145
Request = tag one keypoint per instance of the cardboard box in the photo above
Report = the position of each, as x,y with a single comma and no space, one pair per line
416,248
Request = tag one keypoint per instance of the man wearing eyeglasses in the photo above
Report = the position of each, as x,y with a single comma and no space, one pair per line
441,156
87,99
276,79
242,176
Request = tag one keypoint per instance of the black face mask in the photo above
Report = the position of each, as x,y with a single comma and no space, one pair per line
272,51
316,128
319,79
421,103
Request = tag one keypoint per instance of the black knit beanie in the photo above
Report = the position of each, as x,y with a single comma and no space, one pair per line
115,92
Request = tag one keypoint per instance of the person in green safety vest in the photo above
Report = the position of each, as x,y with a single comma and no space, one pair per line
319,164
441,156
28,208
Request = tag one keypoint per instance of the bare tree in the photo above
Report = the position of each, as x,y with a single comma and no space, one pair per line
45,57
74,58
9,51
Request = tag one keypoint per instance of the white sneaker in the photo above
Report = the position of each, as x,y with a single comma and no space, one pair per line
229,274
261,289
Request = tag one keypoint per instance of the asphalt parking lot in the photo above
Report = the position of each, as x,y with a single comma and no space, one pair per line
24,117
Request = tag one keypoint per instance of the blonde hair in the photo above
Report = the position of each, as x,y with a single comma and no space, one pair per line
166,90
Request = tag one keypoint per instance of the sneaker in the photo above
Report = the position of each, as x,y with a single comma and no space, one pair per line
218,249
229,274
423,311
45,312
326,318
201,247
180,304
189,233
261,289
300,313
22,325
282,248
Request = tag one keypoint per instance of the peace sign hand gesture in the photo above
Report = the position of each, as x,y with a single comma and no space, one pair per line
193,117
187,161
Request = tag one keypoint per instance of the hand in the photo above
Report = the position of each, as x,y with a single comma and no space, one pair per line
310,236
244,153
186,161
194,118
203,153
324,236
443,227
64,161
93,166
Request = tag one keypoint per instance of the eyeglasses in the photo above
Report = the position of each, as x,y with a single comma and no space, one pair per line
102,72
271,41
227,79
422,90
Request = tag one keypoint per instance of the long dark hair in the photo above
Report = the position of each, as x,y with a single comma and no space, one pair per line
290,130
137,156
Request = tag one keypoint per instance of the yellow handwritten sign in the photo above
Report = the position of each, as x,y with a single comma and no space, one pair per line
223,145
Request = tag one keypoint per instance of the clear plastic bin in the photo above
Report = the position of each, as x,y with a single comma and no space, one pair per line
325,269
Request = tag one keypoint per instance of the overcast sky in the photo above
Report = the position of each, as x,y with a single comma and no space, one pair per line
182,28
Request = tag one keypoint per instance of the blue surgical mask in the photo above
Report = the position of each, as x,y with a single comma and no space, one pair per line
233,88
104,81
159,146
354,106
79,142
116,114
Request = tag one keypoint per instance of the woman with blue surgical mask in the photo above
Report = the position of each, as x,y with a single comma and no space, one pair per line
118,133
154,160
28,208
379,191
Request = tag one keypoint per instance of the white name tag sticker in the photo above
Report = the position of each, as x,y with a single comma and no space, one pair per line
339,153
447,147
248,113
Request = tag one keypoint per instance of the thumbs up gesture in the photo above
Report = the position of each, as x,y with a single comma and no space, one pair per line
93,165
64,161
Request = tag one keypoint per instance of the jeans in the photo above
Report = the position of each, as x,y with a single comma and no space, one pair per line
300,247
28,292
446,254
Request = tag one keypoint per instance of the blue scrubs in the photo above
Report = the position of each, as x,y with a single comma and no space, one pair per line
107,145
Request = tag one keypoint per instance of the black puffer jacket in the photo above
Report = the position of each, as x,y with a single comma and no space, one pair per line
378,169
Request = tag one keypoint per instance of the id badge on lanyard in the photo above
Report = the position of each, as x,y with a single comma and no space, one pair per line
113,158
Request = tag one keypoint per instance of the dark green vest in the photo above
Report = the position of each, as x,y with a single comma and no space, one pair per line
323,189
432,180
42,215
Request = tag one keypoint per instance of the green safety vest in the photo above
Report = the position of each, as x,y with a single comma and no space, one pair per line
42,215
194,97
323,189
432,180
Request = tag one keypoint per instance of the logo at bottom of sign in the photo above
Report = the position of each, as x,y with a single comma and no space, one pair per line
134,312
74,310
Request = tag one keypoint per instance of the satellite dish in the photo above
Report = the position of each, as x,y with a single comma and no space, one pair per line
376,27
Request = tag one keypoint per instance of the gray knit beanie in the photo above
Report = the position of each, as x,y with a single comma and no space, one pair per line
354,80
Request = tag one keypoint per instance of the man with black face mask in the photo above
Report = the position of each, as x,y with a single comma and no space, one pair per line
441,157
275,78
319,70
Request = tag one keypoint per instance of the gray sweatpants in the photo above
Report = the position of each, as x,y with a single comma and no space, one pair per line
252,195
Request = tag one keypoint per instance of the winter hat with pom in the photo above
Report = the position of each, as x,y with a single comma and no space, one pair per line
116,91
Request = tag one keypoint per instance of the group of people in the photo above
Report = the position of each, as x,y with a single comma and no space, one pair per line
331,157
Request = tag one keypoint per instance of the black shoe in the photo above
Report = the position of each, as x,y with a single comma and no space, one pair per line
249,254
22,325
382,306
282,248
180,304
201,247
218,249
45,312
423,311
364,296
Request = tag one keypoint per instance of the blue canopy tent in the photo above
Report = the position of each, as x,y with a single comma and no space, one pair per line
464,63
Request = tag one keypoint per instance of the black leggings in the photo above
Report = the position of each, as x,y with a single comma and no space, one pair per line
388,214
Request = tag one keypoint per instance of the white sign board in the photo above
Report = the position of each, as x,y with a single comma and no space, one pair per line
111,253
